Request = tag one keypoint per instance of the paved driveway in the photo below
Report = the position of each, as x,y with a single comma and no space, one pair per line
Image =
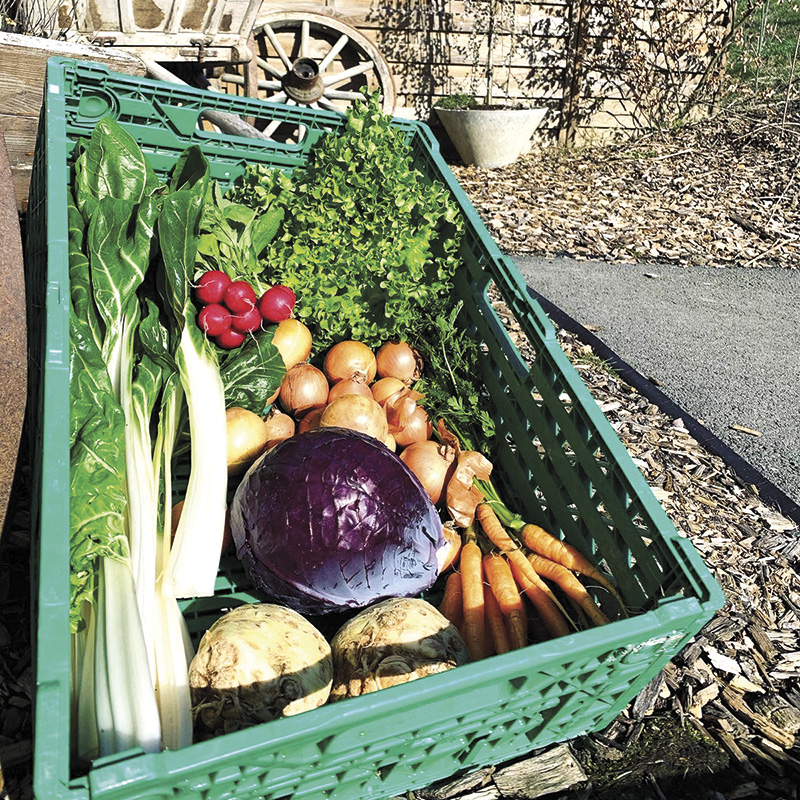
724,344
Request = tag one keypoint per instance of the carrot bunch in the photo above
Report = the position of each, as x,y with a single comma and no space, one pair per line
495,574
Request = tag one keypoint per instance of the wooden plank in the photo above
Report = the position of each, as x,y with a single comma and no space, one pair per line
13,335
20,136
24,59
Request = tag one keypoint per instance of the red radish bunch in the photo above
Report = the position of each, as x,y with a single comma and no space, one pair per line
230,309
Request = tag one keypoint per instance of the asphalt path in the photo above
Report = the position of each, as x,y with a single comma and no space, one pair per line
723,344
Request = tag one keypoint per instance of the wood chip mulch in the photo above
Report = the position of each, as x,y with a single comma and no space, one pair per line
722,720
721,192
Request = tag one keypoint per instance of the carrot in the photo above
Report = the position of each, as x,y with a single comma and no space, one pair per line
570,585
509,600
549,546
495,622
498,536
452,605
474,623
551,616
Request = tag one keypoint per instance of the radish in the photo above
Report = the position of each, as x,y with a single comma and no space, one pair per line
248,322
214,319
212,286
239,297
276,303
229,339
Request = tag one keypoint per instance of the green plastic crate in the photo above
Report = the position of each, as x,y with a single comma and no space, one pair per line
562,466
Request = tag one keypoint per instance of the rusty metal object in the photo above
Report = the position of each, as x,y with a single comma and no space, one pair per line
13,334
303,82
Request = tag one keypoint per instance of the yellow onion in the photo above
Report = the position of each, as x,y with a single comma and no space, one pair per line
384,388
247,438
304,387
293,340
310,420
345,386
349,359
416,428
357,413
279,426
398,360
433,464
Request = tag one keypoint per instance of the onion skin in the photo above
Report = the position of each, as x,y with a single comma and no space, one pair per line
357,413
349,359
417,428
303,388
349,386
384,388
398,360
433,464
247,438
310,421
293,340
279,426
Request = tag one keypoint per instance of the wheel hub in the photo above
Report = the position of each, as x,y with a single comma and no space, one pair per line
303,83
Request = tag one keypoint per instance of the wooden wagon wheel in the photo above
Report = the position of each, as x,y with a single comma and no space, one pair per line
311,59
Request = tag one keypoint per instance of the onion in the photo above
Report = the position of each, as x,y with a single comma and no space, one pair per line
310,420
303,388
349,386
417,428
390,442
293,340
398,360
433,464
247,438
384,388
349,359
279,426
357,413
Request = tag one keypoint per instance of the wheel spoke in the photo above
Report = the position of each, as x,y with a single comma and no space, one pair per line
304,37
343,77
287,62
323,102
339,94
267,67
336,48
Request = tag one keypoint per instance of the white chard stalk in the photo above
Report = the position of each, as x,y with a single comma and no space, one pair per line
194,560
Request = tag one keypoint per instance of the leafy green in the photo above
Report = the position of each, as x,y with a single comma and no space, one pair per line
234,235
451,379
252,372
368,243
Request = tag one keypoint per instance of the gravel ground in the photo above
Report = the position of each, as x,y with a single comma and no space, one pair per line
722,343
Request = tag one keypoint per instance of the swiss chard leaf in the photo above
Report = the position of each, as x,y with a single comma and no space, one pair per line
252,373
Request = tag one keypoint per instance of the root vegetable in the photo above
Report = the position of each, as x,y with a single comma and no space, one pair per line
293,340
349,386
349,359
303,388
311,420
279,426
257,663
434,465
417,428
247,438
384,388
357,413
393,642
398,360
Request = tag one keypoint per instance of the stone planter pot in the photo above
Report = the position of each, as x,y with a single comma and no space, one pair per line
490,137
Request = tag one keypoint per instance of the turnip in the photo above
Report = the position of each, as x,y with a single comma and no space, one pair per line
395,641
256,663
